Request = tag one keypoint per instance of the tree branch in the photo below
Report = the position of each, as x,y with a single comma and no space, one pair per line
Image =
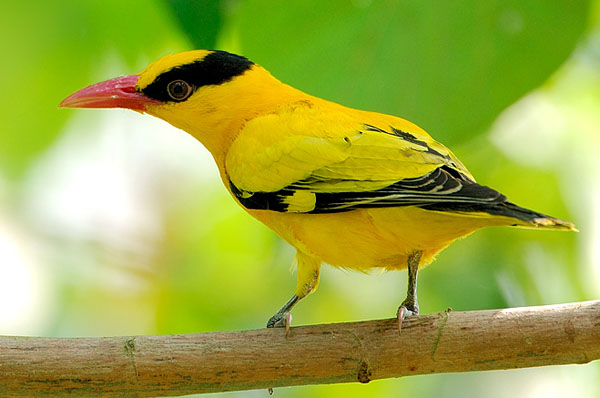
151,366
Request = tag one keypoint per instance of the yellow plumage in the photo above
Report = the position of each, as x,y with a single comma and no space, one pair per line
350,188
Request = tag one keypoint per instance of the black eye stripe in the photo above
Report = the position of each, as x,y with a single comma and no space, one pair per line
216,68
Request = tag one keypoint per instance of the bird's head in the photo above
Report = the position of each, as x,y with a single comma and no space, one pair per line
206,93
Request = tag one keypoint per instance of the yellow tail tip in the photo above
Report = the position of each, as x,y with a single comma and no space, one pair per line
554,223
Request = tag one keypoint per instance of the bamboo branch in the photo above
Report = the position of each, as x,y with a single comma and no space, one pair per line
152,366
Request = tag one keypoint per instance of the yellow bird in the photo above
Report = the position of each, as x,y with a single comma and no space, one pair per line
347,187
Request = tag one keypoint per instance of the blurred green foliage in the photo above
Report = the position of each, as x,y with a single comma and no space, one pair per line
51,47
430,64
451,67
200,20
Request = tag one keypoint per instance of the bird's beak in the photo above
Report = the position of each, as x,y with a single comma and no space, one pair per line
120,92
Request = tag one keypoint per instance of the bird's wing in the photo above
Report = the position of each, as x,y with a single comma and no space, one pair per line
304,161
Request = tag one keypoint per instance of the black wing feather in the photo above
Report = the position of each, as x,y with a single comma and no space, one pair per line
442,189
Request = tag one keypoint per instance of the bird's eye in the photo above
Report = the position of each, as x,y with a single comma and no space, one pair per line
179,90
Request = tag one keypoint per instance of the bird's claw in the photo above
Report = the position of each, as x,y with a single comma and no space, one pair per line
283,320
402,313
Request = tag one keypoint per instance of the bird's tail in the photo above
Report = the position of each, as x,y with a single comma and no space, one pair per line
529,218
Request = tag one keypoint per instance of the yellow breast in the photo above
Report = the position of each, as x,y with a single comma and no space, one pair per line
364,239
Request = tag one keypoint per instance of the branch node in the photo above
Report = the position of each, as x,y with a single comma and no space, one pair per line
130,351
445,315
364,373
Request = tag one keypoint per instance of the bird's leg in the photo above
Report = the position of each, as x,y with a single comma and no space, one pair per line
410,306
308,281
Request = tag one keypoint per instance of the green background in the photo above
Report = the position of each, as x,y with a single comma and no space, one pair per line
112,223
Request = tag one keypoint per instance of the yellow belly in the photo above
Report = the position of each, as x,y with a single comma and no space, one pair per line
373,238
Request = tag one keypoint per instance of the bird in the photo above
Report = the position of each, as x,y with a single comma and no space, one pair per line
350,188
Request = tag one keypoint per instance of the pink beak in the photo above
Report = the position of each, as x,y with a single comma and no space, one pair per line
120,92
